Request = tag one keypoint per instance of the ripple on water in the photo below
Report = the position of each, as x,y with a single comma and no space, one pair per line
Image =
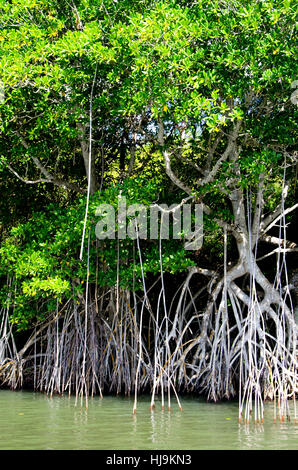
35,421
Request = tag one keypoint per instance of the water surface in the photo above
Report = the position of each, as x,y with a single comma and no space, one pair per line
34,421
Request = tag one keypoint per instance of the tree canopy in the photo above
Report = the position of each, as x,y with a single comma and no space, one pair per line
154,100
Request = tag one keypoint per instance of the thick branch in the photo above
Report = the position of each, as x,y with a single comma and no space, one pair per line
213,149
231,147
49,178
277,250
192,164
179,183
167,161
282,214
278,241
26,180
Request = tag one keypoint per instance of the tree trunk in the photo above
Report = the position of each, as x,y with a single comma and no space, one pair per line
247,338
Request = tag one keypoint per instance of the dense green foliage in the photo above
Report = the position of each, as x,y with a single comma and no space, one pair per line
198,67
42,255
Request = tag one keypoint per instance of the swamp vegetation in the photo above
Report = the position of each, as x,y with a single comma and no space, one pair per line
163,103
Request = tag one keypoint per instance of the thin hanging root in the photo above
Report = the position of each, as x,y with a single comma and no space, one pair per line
106,344
89,163
71,345
278,362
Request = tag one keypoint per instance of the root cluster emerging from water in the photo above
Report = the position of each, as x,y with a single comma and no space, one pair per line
241,341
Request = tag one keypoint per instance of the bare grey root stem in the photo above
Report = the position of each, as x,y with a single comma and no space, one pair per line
243,341
83,354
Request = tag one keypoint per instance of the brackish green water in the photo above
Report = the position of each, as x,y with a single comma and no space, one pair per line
33,421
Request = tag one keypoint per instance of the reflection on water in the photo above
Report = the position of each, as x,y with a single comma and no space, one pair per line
33,421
